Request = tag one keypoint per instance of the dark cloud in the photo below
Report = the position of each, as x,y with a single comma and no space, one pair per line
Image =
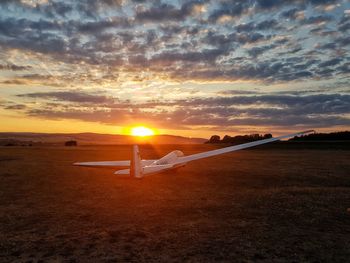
270,24
251,37
71,96
291,13
15,107
343,41
13,67
344,23
344,27
323,2
14,82
173,57
343,69
20,38
330,46
55,8
161,12
267,71
331,62
321,100
317,19
220,40
238,92
234,8
93,9
99,26
12,27
257,51
230,8
269,4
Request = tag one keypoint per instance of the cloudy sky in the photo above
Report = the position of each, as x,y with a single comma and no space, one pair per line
192,68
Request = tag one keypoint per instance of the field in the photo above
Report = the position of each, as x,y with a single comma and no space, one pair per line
255,205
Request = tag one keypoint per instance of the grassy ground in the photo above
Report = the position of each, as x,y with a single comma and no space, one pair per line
269,205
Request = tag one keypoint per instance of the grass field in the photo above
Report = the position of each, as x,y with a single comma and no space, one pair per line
249,206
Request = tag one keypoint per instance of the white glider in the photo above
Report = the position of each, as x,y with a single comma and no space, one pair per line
175,159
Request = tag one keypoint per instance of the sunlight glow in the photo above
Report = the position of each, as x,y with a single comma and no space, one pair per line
141,131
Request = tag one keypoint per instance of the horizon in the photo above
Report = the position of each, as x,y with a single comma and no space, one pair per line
117,134
146,137
182,68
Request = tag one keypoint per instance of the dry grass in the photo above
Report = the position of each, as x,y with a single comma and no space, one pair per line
256,205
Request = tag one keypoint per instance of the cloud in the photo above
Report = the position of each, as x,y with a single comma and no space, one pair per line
166,12
71,96
330,45
236,9
225,110
13,27
344,23
293,13
331,62
317,19
343,41
55,8
15,107
229,8
13,67
257,51
174,57
99,26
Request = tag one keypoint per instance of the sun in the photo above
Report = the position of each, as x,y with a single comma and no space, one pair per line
141,131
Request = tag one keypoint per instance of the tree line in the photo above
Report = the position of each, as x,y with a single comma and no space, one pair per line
333,136
239,139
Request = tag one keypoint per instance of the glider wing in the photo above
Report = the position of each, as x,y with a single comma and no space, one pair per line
202,155
112,163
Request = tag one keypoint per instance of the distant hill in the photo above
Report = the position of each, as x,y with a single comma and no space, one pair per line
333,136
24,138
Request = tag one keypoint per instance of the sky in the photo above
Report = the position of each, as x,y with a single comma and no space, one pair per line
190,68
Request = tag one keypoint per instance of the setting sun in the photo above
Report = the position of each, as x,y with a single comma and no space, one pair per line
141,131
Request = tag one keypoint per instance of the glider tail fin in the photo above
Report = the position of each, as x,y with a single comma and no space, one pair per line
135,166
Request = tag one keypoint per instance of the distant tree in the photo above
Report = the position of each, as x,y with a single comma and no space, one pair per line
267,136
226,139
71,143
214,139
239,139
255,137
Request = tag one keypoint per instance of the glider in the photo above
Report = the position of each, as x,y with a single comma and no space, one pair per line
139,168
